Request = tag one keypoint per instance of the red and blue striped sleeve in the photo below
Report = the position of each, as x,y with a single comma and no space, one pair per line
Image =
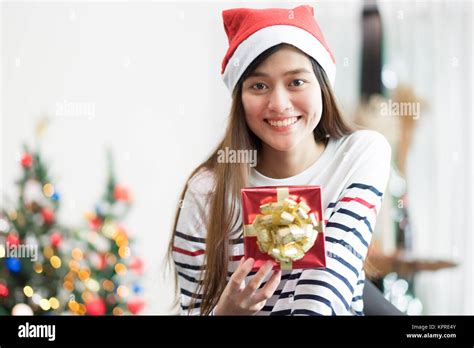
190,243
348,231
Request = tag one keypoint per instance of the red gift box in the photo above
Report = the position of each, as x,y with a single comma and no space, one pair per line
256,202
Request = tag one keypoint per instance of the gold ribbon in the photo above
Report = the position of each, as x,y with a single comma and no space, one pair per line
249,230
282,193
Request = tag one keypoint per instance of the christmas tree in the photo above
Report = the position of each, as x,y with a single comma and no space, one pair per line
31,263
103,276
49,268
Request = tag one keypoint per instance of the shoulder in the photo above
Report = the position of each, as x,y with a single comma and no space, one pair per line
367,142
367,138
194,208
199,189
202,182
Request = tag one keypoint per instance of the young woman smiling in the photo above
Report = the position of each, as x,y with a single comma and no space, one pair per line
280,71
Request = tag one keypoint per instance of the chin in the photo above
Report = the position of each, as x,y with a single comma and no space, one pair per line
282,146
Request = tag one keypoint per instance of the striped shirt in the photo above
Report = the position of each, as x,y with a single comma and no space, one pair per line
353,173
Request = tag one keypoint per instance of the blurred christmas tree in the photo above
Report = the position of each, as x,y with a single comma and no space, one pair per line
103,276
31,259
50,268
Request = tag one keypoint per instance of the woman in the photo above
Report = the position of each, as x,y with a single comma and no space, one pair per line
279,70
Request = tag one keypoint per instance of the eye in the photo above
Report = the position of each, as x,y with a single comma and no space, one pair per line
259,86
298,83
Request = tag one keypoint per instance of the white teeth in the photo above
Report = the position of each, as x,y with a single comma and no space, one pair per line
286,122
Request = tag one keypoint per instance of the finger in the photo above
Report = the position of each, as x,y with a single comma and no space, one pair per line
240,273
242,260
257,307
269,289
257,279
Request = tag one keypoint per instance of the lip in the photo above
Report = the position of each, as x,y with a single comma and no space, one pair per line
282,129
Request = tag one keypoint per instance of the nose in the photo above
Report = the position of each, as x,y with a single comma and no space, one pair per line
279,101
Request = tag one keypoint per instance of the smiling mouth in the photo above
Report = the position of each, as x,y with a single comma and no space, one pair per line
283,122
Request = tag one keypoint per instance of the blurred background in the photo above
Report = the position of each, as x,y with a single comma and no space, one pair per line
107,107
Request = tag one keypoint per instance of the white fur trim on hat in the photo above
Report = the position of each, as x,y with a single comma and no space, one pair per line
268,37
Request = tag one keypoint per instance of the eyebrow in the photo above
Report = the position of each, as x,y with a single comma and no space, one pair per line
290,72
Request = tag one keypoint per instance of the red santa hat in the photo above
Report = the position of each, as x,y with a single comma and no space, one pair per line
252,31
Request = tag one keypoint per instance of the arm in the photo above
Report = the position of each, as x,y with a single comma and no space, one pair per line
190,243
348,234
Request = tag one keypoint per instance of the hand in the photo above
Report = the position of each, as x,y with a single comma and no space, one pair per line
238,299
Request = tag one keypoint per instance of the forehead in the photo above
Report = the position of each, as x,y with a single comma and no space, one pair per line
286,59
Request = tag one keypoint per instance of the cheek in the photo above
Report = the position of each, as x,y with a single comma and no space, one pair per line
318,110
252,108
314,106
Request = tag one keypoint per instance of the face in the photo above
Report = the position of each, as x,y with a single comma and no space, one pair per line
282,100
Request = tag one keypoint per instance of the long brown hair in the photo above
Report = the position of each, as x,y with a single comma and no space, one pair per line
230,178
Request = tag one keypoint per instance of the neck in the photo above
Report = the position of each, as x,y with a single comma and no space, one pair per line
283,164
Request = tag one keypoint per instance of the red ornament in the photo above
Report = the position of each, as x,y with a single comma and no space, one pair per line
55,239
101,262
135,305
26,160
13,239
136,265
3,290
48,215
95,223
121,193
96,307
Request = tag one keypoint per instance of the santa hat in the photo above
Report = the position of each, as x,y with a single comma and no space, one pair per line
252,31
